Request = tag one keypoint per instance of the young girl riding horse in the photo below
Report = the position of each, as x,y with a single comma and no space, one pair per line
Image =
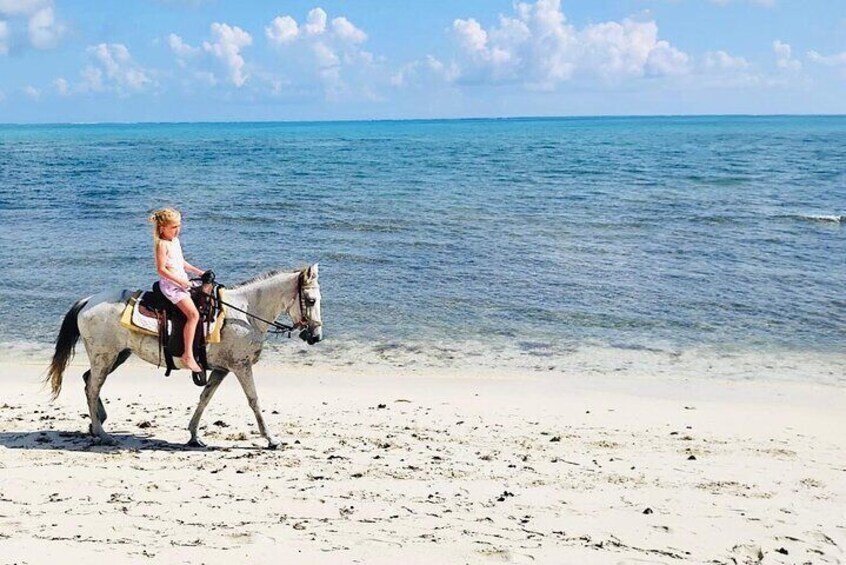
172,269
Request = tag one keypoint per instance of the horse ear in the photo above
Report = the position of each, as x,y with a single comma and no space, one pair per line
312,271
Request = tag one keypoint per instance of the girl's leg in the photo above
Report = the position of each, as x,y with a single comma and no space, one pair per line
192,316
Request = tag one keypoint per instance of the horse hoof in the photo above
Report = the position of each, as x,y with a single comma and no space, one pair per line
106,439
194,442
273,443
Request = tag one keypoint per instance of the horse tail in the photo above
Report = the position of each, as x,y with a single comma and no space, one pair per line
65,343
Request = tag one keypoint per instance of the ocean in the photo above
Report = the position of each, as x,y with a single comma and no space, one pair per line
517,243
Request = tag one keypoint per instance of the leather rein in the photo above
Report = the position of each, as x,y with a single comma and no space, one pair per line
277,327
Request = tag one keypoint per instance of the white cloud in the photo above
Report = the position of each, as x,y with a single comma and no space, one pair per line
43,30
326,57
784,56
314,49
283,29
344,30
227,45
666,60
428,70
92,79
4,38
539,48
32,92
316,22
471,35
61,86
724,61
836,60
181,49
22,7
114,65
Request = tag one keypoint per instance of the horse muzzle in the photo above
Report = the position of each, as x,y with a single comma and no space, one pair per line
311,336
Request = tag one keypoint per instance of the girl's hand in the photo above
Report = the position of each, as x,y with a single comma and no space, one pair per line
185,283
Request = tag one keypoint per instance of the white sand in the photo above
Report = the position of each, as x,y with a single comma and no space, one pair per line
384,467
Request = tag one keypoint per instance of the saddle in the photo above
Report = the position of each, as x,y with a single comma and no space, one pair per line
152,313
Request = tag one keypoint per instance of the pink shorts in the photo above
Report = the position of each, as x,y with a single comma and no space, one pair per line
173,292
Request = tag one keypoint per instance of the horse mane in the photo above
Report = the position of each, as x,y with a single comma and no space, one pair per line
262,277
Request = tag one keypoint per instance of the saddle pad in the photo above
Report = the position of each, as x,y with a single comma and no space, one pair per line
133,320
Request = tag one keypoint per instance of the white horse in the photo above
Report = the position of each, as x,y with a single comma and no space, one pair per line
97,320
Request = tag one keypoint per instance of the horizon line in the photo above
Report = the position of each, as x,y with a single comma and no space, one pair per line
453,119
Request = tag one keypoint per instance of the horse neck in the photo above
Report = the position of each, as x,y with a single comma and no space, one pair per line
269,297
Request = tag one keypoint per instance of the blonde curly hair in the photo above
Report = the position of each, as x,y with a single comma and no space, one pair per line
162,218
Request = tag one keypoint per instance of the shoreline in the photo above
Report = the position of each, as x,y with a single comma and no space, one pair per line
826,368
441,466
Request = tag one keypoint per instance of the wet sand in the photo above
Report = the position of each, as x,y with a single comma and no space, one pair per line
388,466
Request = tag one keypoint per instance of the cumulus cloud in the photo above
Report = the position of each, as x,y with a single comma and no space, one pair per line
43,30
113,68
327,49
226,47
31,92
471,35
22,7
666,60
722,60
282,30
181,49
344,30
430,69
61,86
836,60
784,56
538,47
316,22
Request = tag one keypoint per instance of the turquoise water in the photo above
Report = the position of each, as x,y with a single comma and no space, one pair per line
454,240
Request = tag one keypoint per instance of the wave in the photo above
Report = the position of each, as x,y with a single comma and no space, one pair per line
823,218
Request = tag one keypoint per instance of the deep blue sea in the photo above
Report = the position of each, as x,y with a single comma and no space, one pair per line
516,242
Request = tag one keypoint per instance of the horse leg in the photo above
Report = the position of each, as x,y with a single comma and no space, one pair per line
97,376
245,377
101,410
215,379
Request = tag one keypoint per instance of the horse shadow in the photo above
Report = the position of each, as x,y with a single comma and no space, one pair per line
53,440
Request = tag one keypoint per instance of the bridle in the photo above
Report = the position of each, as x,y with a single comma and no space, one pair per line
307,326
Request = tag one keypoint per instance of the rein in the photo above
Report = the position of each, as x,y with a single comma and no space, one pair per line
278,328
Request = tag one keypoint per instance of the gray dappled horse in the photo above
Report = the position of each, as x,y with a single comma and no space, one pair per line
97,320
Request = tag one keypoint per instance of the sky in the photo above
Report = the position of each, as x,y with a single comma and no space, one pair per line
289,60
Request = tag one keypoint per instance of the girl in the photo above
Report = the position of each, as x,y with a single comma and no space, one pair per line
174,282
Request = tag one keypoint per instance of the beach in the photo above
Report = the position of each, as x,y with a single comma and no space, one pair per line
385,464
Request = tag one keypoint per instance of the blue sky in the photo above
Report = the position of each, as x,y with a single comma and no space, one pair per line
198,60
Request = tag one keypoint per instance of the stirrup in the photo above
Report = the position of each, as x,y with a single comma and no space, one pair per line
200,378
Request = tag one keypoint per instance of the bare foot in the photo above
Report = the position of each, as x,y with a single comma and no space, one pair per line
191,364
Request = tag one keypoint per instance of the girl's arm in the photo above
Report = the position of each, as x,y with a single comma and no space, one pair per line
192,269
161,266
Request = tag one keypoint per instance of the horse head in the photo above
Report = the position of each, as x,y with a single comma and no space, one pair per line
309,306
